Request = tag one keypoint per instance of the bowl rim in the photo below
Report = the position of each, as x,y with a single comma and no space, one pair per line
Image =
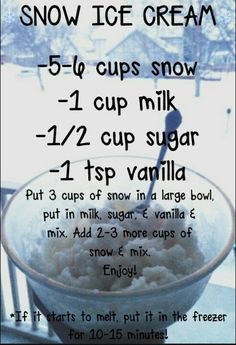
182,283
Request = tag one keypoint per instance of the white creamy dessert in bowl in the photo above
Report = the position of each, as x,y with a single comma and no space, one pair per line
100,261
116,260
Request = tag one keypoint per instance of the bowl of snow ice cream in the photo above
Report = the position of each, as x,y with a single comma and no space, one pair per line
86,251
